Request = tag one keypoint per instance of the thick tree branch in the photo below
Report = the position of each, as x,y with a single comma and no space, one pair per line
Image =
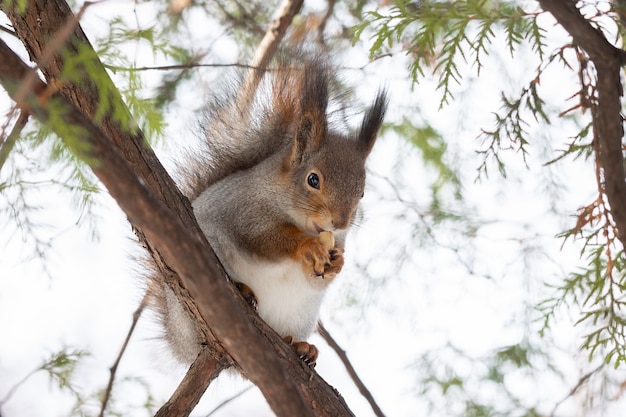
608,122
180,248
62,26
35,32
183,247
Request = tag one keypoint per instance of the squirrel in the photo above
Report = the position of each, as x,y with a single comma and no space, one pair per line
272,176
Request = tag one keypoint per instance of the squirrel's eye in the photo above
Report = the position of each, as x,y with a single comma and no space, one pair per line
313,180
363,194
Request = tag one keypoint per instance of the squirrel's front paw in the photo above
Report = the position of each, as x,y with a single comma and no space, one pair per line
314,256
336,263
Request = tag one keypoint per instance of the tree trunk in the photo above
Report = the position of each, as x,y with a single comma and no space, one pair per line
608,121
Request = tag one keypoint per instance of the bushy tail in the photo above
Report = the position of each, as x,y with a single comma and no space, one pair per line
246,124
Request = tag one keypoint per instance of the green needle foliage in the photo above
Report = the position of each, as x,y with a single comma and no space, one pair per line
60,367
440,34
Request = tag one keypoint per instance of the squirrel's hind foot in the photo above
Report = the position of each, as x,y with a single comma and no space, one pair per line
248,294
306,351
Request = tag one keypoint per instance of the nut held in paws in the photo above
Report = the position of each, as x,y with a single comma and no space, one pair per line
327,239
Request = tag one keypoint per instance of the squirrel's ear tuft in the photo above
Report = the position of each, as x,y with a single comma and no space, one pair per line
314,89
311,125
372,121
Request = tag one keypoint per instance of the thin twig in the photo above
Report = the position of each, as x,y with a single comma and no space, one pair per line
351,371
582,381
113,369
229,400
321,26
15,387
7,30
267,47
179,66
6,145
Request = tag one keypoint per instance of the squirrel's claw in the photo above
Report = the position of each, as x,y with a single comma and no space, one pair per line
314,256
247,294
336,263
306,351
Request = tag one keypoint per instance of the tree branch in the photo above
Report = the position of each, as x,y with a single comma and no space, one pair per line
267,48
608,122
185,252
275,32
34,32
321,329
581,382
6,145
113,369
139,183
183,401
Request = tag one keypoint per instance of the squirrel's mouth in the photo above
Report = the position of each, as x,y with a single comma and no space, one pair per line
313,228
317,228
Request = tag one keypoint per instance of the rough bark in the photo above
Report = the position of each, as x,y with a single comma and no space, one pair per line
608,122
259,353
46,39
184,399
163,219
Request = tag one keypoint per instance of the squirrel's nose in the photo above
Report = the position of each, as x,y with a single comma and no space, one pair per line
341,220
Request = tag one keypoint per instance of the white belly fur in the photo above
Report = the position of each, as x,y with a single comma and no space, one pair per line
286,299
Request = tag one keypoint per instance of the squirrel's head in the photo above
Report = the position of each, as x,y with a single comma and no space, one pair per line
327,170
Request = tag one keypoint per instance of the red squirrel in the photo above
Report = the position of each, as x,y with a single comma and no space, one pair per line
272,176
